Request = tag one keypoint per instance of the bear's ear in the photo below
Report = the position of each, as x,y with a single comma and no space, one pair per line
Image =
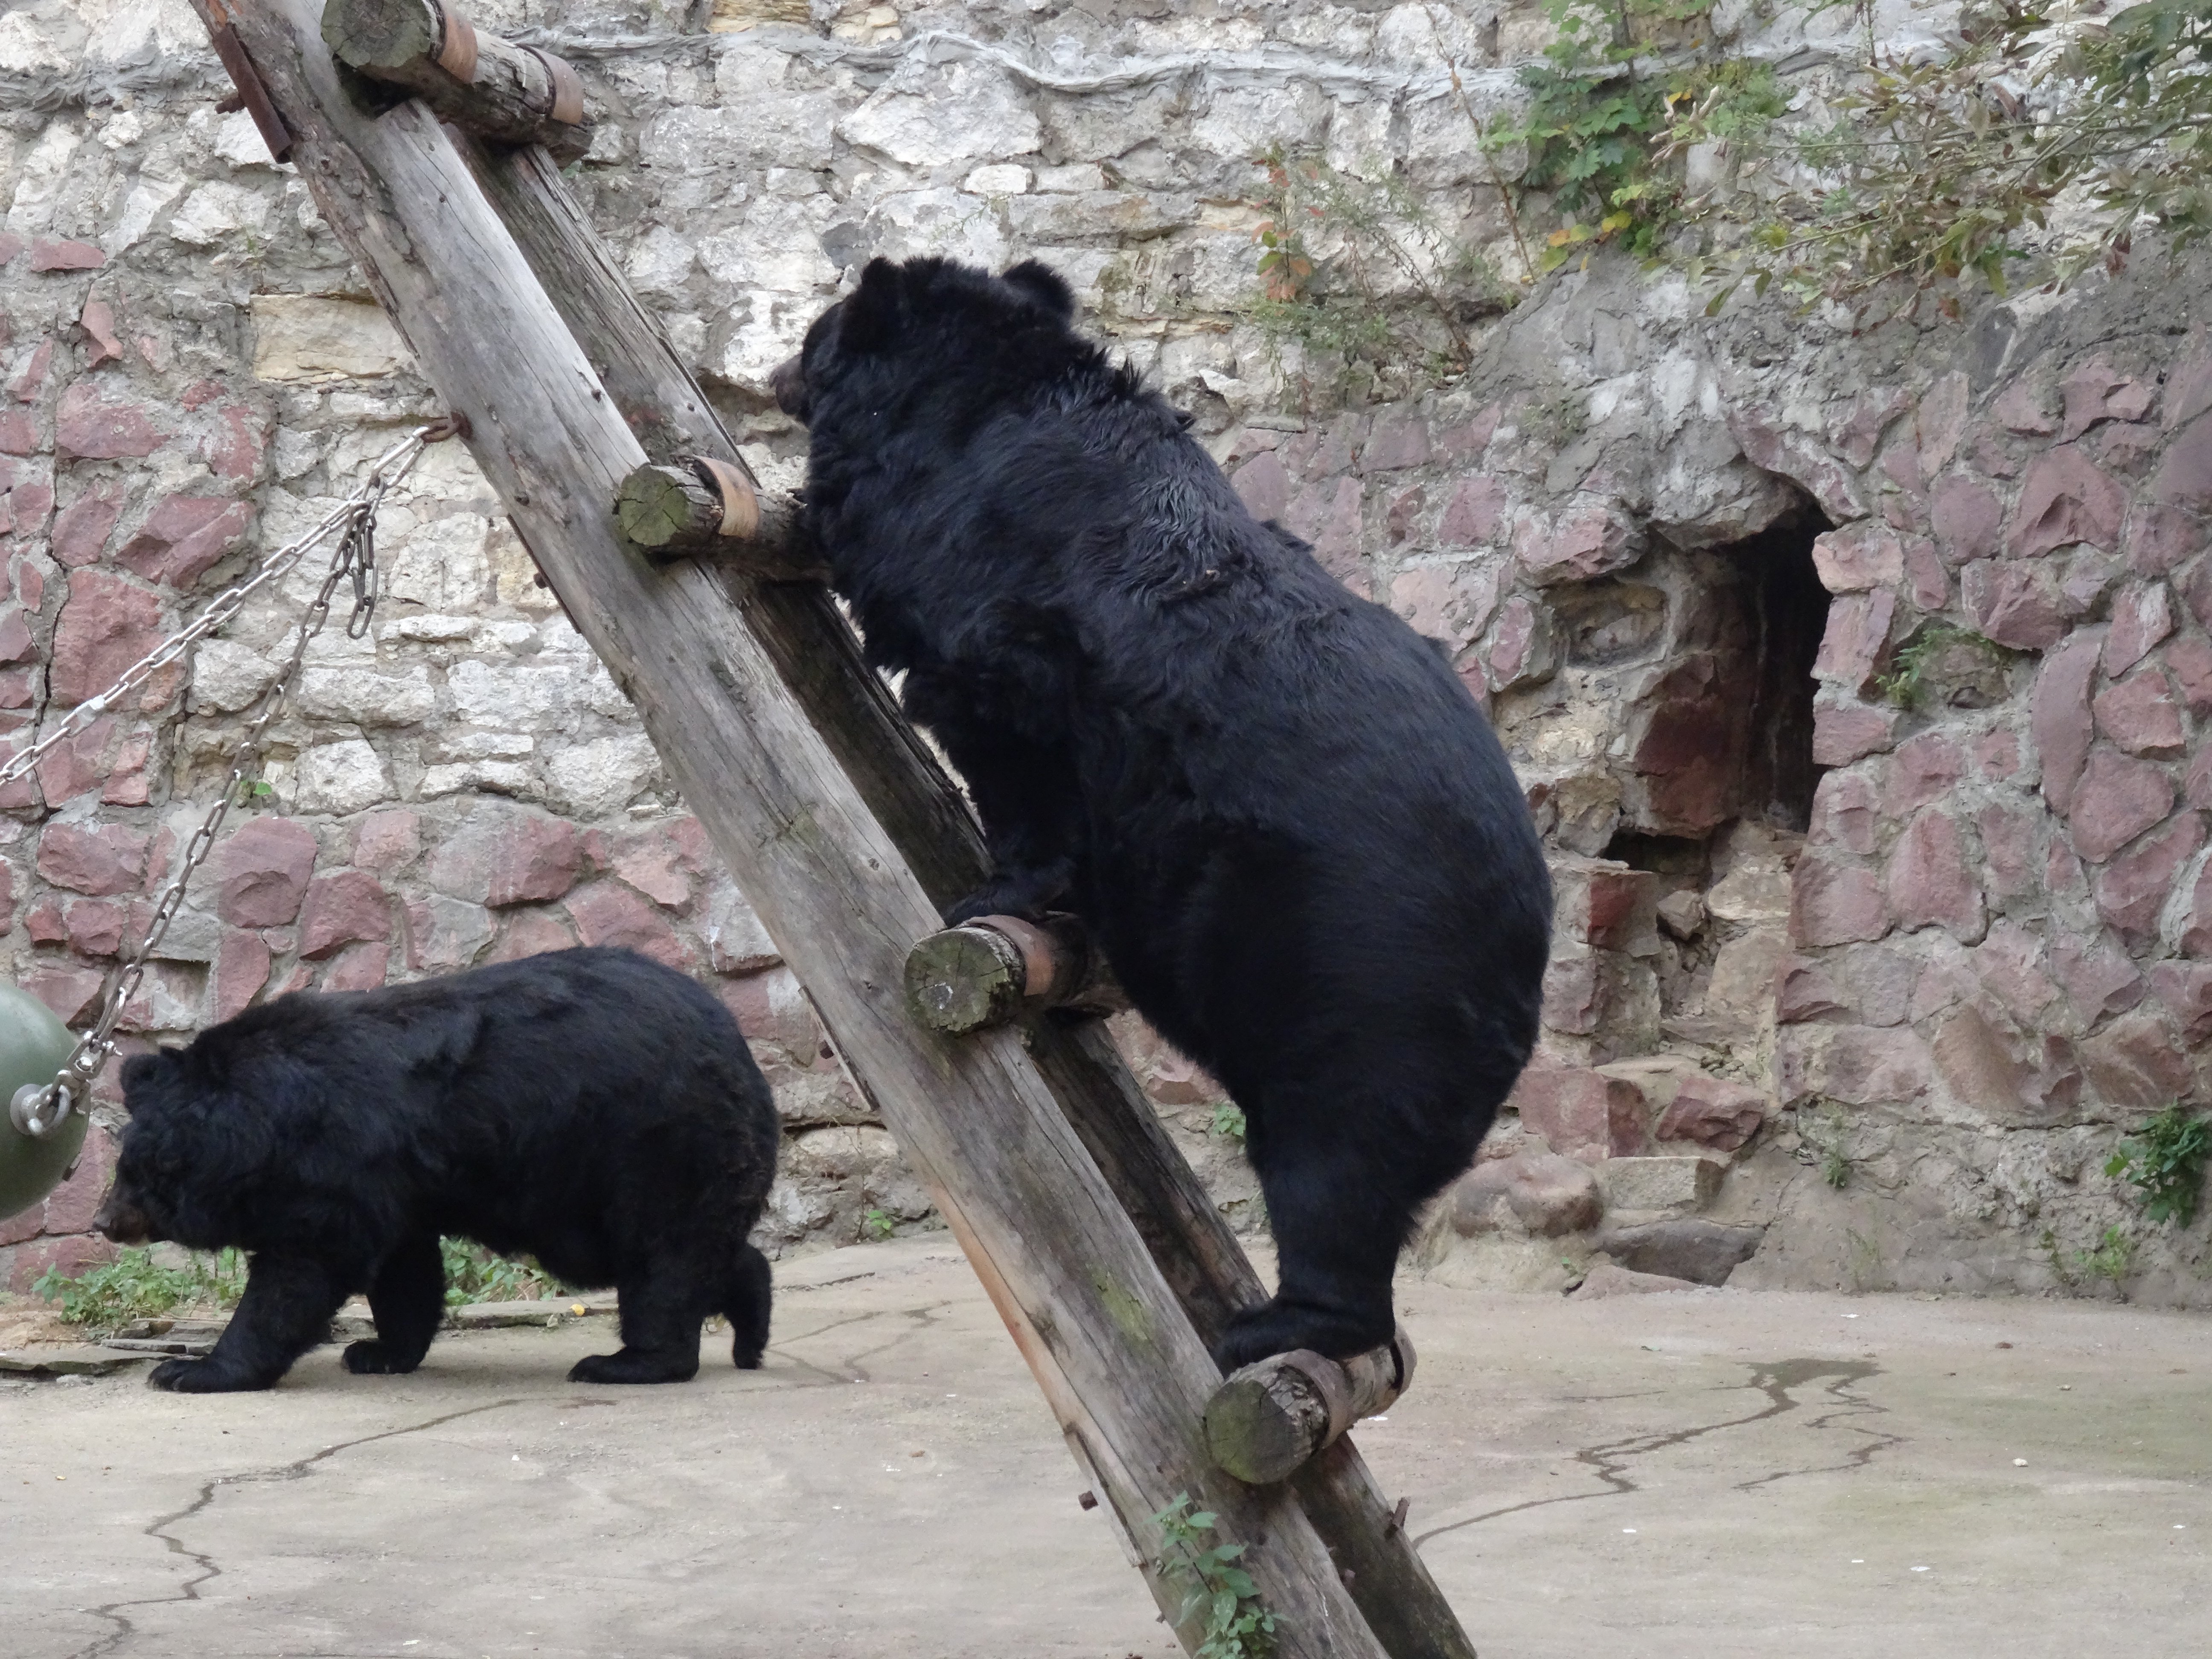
872,312
1044,285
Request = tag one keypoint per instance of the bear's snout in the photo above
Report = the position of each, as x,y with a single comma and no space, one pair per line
122,1220
788,382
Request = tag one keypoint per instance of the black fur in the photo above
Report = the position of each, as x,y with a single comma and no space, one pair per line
1284,817
590,1108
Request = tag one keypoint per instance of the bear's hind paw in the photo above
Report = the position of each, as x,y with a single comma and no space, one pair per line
634,1365
369,1357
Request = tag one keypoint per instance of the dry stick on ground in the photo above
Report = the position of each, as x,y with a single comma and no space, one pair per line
1119,1361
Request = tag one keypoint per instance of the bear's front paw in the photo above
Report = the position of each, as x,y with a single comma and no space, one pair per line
197,1376
370,1358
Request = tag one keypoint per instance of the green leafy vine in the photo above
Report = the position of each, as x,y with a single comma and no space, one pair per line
1238,1624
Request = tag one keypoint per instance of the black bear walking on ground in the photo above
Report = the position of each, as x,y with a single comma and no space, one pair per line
1283,817
595,1109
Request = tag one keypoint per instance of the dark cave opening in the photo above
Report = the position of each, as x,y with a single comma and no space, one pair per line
1789,610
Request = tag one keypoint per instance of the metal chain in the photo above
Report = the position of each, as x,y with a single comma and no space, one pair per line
37,1108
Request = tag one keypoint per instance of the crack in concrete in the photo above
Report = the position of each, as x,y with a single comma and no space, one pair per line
1778,1380
924,1317
125,1628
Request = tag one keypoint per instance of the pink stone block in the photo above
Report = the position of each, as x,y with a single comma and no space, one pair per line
262,872
1928,882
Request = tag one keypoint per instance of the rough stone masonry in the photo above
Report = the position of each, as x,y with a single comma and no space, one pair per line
1859,681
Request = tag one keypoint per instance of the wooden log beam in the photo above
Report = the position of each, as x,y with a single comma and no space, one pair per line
1272,1418
994,969
704,507
1120,1364
503,93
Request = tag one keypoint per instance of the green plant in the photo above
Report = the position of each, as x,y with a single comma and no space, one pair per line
878,1226
1395,295
1929,174
1229,1120
2165,1164
1912,671
1865,1260
474,1273
2112,1257
1238,1624
1600,117
1825,1142
135,1286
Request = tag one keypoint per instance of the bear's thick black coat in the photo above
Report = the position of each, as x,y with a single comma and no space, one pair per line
1282,814
591,1108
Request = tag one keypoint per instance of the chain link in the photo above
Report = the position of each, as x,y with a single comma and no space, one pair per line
37,1108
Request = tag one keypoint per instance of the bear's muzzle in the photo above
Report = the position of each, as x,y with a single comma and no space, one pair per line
122,1220
788,382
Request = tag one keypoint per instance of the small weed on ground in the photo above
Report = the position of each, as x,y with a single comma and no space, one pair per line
2112,1258
1824,1144
1238,1624
878,1226
1229,1122
473,1274
105,1298
2165,1164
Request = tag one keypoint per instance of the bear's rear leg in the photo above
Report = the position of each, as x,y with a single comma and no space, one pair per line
660,1319
408,1299
285,1311
746,1308
1336,1237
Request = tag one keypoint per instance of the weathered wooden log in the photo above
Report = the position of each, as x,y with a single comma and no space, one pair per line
506,94
702,506
1270,1418
987,972
1120,1365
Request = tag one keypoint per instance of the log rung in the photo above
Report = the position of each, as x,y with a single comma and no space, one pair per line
704,507
1271,1418
479,82
988,971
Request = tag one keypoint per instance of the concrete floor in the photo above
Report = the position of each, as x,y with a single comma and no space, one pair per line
1710,1474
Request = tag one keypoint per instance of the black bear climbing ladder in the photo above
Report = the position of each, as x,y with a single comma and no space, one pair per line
430,152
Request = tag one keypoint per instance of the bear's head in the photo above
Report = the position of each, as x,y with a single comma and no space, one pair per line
189,1153
936,310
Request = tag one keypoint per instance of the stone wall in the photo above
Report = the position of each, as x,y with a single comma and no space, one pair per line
1697,569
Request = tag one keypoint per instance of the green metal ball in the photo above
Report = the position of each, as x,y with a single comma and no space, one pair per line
32,1045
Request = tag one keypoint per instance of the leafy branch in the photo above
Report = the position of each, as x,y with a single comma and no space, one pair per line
2165,1164
1929,176
1362,272
1238,1624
